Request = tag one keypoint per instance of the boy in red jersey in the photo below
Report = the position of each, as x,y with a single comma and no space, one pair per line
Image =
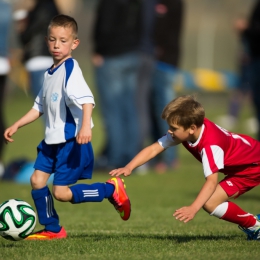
235,155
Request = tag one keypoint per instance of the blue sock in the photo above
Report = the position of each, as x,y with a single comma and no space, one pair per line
95,192
46,213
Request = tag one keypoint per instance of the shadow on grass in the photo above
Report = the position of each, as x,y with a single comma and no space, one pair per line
12,245
176,238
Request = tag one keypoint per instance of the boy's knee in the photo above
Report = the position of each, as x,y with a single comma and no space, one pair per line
58,195
39,179
37,182
63,194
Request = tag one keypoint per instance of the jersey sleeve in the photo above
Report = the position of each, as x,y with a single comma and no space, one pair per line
38,105
77,89
166,141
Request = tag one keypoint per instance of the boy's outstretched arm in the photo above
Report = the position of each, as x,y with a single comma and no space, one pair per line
31,116
141,158
186,214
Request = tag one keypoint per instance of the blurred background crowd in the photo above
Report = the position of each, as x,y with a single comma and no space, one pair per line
136,56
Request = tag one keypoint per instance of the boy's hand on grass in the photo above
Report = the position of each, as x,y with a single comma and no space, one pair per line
185,214
117,172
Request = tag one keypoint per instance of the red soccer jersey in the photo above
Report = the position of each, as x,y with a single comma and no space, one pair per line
220,150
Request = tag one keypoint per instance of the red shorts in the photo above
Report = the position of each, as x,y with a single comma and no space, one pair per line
241,182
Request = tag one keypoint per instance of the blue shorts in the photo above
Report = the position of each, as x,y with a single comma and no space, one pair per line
69,162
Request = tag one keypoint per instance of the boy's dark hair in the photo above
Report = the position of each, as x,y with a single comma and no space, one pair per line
64,21
184,111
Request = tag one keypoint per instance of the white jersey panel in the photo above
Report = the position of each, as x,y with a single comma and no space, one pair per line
218,155
218,158
205,163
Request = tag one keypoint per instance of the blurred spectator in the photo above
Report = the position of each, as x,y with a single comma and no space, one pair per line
32,29
168,27
243,88
252,35
68,6
5,24
163,69
116,40
146,70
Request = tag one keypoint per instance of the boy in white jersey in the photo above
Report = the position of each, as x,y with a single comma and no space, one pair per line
67,102
237,156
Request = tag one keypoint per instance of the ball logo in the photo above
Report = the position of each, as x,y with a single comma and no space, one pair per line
54,97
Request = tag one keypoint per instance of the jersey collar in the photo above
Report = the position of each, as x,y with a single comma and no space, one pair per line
200,136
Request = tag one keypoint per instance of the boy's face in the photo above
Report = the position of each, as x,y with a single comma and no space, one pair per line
180,134
61,42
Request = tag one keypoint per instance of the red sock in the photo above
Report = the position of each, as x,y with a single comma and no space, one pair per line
238,216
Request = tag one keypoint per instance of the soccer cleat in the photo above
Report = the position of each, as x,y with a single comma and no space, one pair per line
47,235
119,199
252,234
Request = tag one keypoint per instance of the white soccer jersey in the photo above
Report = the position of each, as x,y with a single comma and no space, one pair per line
61,98
220,150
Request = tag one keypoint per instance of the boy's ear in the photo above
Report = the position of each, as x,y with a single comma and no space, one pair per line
75,44
193,128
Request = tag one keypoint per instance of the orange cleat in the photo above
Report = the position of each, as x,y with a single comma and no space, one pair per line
47,235
119,198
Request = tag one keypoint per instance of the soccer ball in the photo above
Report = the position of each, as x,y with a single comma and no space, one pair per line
17,219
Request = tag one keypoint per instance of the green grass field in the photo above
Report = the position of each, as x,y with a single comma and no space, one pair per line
95,230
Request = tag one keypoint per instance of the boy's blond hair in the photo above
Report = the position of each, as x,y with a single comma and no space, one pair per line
184,111
65,21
